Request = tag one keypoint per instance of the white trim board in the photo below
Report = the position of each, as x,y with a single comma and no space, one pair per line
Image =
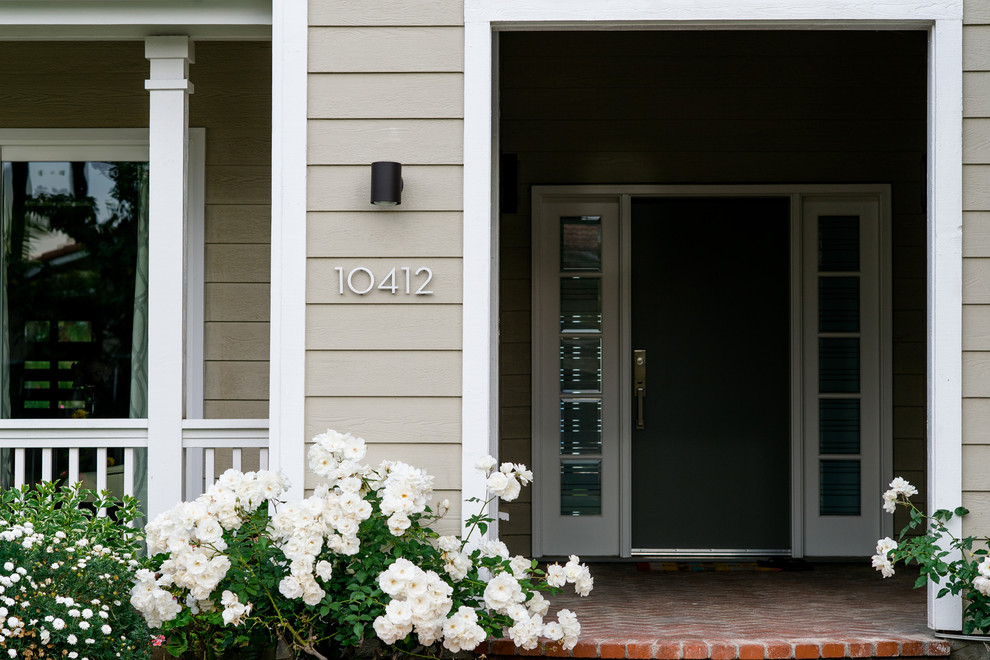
287,394
943,19
119,19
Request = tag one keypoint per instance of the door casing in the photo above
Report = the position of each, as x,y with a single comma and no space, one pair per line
622,195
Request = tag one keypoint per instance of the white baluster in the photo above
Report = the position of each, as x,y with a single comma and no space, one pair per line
129,471
46,464
236,458
73,465
208,469
19,461
263,458
101,474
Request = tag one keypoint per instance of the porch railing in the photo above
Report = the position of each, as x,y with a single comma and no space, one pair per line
107,454
204,441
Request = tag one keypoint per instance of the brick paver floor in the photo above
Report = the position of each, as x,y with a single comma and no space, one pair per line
832,611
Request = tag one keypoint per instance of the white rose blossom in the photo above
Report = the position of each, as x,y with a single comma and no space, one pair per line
898,487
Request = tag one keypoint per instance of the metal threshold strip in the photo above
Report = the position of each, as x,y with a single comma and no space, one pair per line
682,553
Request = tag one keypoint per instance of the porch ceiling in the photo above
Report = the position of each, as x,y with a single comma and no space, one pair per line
832,611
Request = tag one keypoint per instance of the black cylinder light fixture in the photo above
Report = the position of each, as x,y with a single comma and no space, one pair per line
386,183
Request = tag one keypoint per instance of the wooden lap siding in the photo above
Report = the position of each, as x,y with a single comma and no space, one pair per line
386,83
233,100
976,267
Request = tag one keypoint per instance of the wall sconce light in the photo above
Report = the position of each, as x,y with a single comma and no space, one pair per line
386,183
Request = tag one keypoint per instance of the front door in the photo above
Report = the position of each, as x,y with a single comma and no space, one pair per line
710,319
709,371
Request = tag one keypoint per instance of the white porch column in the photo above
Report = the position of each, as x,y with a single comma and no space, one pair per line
287,392
169,90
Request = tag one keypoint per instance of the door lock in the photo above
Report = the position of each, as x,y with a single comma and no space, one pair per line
639,386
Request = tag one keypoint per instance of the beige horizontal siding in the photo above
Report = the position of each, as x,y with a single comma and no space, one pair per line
385,83
375,49
976,94
57,85
975,13
386,12
229,145
238,223
976,327
239,184
978,503
976,281
237,379
976,421
347,188
384,327
384,234
407,141
237,302
976,373
383,373
976,268
232,409
233,102
975,477
976,234
238,262
385,95
236,341
394,419
323,282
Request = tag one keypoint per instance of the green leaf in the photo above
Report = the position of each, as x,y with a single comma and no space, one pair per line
961,511
177,645
358,630
920,582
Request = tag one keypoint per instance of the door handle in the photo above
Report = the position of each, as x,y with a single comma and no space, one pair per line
639,386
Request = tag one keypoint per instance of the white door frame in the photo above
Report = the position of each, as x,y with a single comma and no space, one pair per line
801,352
943,21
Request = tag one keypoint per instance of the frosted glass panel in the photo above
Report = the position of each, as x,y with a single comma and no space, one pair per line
838,243
838,304
581,488
581,243
838,364
839,488
580,304
838,430
581,427
580,364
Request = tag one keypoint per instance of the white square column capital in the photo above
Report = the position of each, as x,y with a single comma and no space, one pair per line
170,58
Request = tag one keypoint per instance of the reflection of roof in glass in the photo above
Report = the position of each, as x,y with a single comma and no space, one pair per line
581,237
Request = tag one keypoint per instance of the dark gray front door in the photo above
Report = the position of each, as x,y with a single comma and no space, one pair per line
710,306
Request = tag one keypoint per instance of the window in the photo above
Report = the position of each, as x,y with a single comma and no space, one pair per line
74,254
73,289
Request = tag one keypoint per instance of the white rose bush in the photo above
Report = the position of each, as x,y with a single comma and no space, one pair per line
959,565
354,567
67,563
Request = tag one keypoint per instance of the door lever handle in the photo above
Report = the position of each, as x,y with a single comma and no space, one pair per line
639,386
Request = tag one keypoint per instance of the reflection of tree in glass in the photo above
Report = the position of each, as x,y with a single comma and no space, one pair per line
83,289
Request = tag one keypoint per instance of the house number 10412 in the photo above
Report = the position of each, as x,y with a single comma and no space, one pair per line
361,281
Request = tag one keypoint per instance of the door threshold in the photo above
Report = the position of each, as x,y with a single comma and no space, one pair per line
707,553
